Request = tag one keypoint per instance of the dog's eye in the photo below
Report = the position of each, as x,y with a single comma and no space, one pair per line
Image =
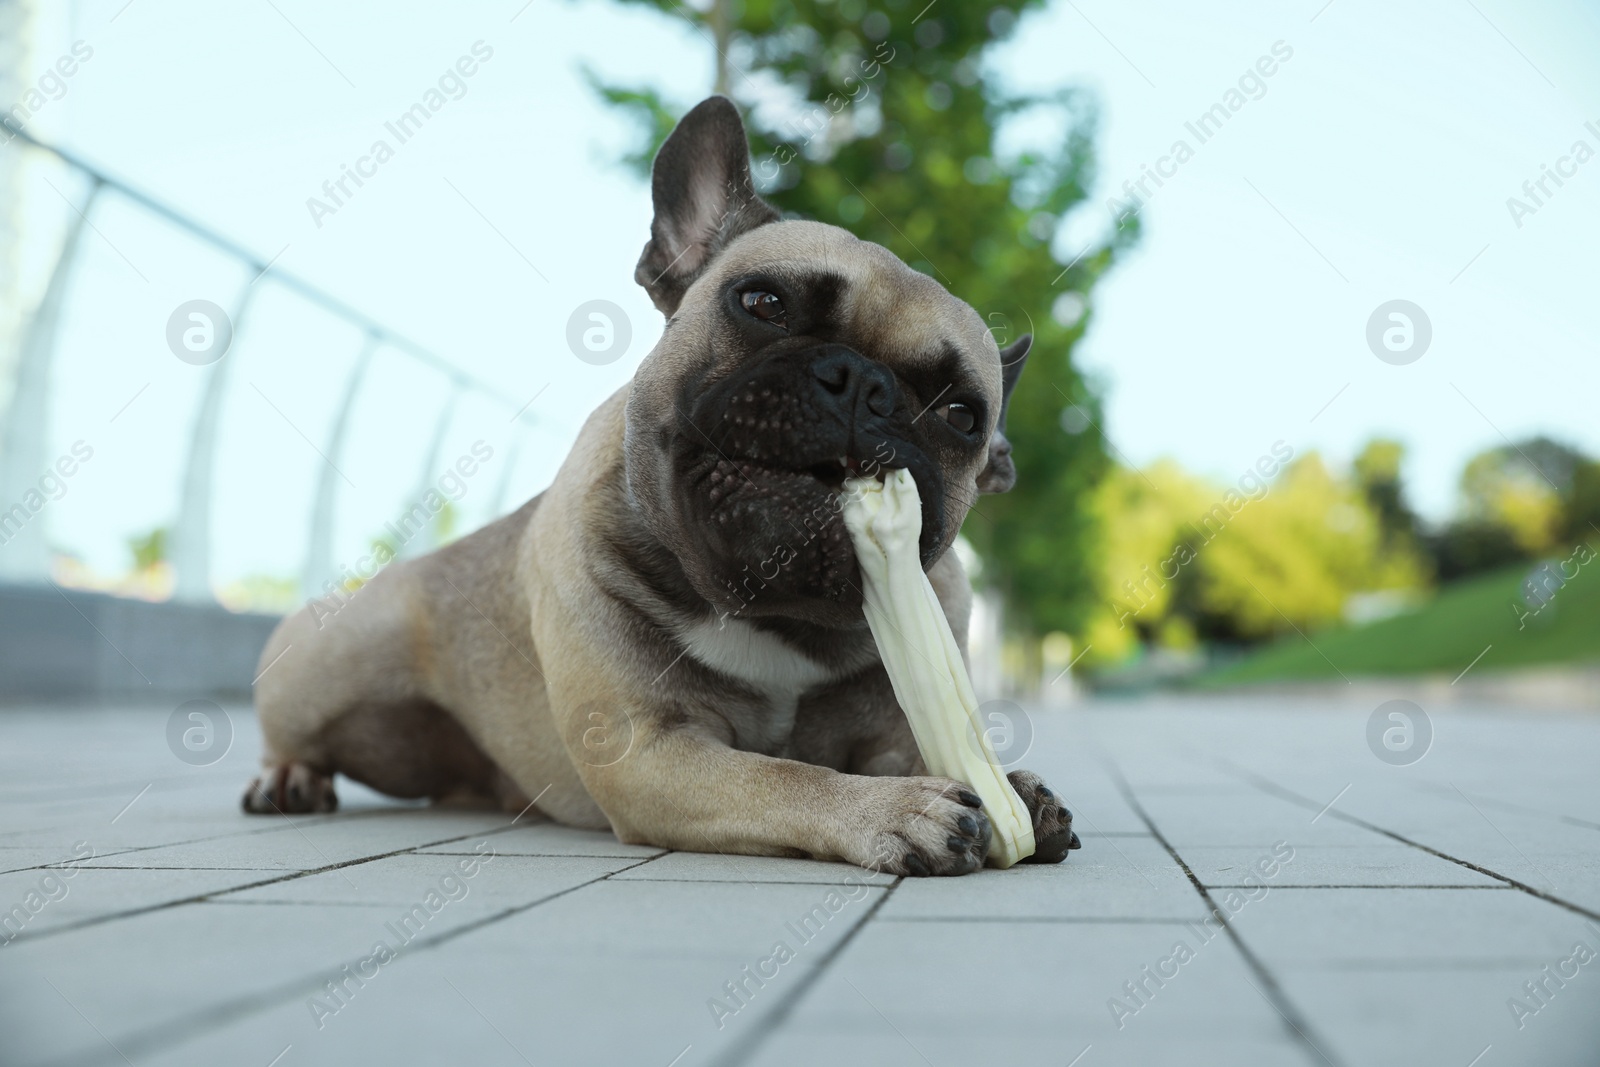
959,416
764,306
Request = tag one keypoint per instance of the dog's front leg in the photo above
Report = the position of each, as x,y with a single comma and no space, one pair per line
662,768
678,788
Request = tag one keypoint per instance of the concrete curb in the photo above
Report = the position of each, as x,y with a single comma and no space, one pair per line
65,643
1542,688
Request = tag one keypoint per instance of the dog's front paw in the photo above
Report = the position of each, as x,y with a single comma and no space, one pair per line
290,789
925,826
1053,836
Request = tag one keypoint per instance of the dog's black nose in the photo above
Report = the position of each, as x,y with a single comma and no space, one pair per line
851,382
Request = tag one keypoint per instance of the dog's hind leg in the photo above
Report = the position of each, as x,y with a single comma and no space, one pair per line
299,696
341,690
290,788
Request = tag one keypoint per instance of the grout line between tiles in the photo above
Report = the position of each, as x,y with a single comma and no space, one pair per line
211,1017
744,1049
1274,994
1267,785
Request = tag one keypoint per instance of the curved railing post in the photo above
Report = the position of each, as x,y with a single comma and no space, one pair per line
319,566
502,485
24,452
191,533
426,538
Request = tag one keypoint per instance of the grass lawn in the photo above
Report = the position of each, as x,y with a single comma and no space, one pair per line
1443,636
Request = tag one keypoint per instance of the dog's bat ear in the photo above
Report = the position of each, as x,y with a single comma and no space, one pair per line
1000,473
704,198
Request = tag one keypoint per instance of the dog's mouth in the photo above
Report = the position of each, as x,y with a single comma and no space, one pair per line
733,486
781,521
834,472
778,527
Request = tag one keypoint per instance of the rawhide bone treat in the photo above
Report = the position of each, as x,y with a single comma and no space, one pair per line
919,651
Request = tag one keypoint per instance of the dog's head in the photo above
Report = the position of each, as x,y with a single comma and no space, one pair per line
795,354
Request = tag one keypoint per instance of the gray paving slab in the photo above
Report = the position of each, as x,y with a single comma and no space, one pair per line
1447,1015
1381,928
33,857
1427,976
618,973
478,879
1057,985
55,897
1237,814
311,844
1110,878
538,838
173,970
1382,864
570,947
703,867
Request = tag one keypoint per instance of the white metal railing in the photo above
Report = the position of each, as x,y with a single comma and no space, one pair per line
24,438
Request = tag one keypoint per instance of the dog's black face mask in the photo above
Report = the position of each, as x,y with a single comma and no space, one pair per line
795,356
767,448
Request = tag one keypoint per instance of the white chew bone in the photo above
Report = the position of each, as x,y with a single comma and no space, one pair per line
916,646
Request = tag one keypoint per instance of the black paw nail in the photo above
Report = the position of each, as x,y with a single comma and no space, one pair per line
1073,842
955,844
1044,792
1051,848
969,798
915,865
968,825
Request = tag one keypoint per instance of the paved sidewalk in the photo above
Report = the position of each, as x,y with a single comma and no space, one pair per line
1376,914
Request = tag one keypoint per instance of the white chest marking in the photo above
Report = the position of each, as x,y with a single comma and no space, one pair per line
763,662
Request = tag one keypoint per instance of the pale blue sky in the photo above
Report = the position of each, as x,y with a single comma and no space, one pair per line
1376,166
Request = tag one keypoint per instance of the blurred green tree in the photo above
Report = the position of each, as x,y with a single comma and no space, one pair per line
1141,516
1466,547
1295,557
1520,487
1581,520
1518,501
883,119
1184,558
1377,471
